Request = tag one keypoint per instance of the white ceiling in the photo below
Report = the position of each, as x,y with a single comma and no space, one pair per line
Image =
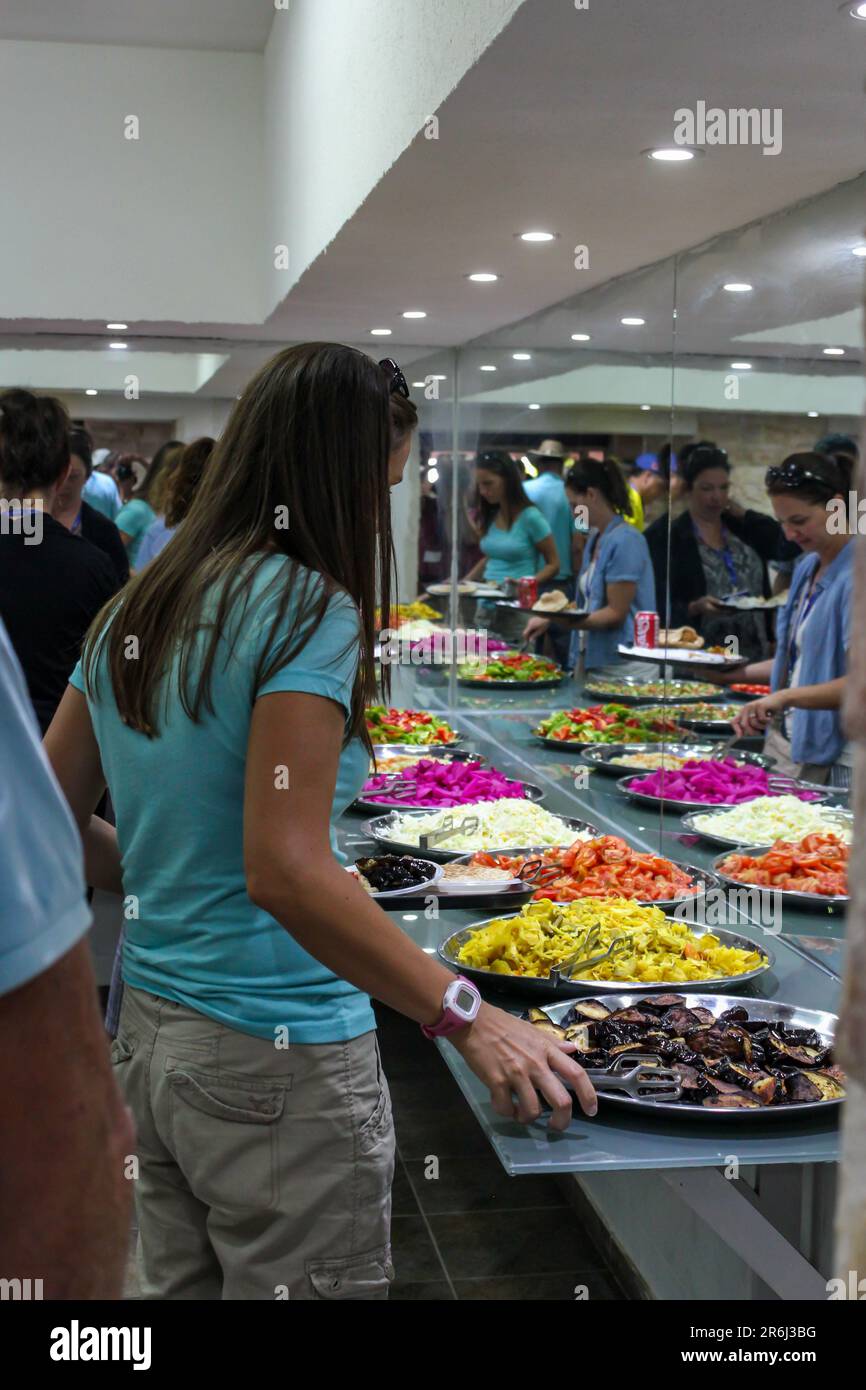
230,25
547,130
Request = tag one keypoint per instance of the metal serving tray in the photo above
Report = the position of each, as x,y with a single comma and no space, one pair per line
380,828
824,1023
637,693
548,683
602,757
809,902
689,822
543,987
671,803
362,803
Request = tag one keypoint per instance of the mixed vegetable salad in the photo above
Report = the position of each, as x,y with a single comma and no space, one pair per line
511,666
652,690
608,724
407,726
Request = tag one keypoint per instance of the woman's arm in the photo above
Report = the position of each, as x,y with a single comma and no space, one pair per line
293,875
73,752
477,570
550,569
755,716
619,598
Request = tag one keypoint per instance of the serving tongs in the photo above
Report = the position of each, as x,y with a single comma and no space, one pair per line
584,959
638,1075
432,838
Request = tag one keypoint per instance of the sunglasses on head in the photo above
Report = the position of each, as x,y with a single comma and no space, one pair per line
794,475
396,380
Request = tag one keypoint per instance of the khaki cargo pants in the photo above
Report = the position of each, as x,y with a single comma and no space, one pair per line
262,1174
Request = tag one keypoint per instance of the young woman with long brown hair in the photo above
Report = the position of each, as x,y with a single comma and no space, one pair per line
222,698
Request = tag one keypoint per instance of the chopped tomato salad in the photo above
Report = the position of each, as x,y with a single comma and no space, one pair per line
816,864
602,868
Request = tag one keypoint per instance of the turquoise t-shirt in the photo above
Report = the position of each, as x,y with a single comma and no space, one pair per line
548,493
179,802
512,553
135,518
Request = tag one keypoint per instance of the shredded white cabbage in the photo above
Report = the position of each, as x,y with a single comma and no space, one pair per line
504,824
771,818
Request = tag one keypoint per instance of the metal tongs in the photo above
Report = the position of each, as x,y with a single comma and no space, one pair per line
435,837
583,958
637,1075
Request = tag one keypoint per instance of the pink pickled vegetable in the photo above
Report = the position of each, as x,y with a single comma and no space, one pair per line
435,783
724,783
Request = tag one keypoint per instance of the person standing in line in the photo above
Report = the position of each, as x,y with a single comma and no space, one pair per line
78,516
100,490
50,590
183,482
65,1134
229,747
547,492
148,500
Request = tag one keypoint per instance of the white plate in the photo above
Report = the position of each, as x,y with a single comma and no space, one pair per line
691,656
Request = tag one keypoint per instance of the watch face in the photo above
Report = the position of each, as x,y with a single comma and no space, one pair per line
465,1000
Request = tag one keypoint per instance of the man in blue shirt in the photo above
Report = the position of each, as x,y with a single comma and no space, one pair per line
64,1133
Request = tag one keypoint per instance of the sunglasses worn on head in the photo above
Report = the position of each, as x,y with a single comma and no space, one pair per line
396,380
793,475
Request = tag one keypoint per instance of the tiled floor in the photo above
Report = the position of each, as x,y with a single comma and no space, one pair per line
472,1232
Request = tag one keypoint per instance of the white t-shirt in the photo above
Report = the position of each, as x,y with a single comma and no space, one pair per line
43,911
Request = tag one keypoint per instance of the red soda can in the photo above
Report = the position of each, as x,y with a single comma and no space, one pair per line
646,629
527,593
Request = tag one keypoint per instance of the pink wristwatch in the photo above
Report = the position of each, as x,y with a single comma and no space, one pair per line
460,1005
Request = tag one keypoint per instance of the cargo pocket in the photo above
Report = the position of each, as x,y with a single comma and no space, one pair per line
366,1276
224,1132
380,1123
122,1050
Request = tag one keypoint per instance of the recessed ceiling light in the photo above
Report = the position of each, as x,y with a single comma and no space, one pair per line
676,154
91,391
834,352
535,407
858,250
537,236
118,347
522,356
646,407
741,366
487,368
738,287
633,323
858,11
415,314
812,414
117,327
419,384
438,378
482,277
381,332
580,337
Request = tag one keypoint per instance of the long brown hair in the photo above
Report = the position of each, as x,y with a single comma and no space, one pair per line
308,442
185,479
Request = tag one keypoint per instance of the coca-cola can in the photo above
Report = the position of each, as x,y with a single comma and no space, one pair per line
646,629
527,593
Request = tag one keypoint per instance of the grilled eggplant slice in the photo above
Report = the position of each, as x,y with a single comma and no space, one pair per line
682,1020
801,1088
767,1089
579,1033
734,1100
829,1086
693,1082
632,1015
663,1001
592,1009
703,1015
794,1054
723,1088
736,1015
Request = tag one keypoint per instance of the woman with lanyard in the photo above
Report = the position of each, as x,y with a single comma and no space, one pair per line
715,549
801,716
246,1047
616,576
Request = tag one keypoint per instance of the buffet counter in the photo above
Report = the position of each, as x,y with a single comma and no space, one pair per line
785,1216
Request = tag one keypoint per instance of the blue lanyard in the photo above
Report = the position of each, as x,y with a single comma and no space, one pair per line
726,554
803,612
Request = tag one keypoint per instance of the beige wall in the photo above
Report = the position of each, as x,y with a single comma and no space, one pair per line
755,442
